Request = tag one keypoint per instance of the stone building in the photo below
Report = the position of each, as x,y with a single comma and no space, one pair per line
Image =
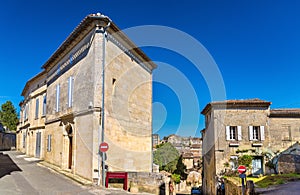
237,127
31,126
190,148
96,87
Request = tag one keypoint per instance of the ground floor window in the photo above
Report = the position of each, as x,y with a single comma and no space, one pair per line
233,163
49,143
24,140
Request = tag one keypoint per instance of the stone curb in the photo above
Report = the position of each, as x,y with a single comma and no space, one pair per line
70,175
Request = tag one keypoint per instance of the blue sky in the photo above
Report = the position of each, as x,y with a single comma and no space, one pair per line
255,45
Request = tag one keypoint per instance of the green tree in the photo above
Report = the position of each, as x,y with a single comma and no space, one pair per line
180,168
176,178
166,156
245,160
8,116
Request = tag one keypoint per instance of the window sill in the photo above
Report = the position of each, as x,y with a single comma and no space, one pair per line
234,144
258,144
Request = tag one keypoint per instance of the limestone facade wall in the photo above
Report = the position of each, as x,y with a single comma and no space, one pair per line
71,126
32,117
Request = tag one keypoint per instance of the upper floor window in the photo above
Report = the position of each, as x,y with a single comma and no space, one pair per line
70,91
26,112
37,103
44,105
57,97
233,133
256,133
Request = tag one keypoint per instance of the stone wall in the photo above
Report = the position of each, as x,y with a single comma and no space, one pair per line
147,182
7,141
289,163
232,188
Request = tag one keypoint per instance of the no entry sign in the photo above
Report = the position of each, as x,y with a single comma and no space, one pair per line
103,147
242,169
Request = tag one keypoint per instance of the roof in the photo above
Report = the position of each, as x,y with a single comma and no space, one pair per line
291,112
30,81
237,104
85,26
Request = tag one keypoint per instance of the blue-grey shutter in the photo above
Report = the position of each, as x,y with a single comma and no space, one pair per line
57,97
70,91
44,105
37,102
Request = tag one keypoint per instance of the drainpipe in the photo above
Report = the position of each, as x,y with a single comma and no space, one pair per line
100,16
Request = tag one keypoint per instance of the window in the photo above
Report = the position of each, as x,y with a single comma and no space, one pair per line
49,143
233,162
70,91
256,133
24,140
233,133
44,105
57,97
26,112
36,108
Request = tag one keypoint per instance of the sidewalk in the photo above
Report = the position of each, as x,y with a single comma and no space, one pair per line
88,185
95,189
68,174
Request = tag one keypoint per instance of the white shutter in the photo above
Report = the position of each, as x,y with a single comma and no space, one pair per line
262,133
227,132
250,132
239,129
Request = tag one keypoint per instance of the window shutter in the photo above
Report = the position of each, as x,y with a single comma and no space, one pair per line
227,132
37,103
250,132
70,91
262,133
44,105
239,129
57,97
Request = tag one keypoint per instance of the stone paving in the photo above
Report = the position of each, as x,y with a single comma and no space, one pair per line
22,175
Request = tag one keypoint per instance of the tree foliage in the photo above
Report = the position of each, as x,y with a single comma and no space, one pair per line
8,116
166,157
245,160
180,168
176,178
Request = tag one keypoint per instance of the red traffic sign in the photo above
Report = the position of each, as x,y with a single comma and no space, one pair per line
103,147
242,169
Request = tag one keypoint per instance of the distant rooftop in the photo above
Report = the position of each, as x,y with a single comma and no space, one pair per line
237,103
288,112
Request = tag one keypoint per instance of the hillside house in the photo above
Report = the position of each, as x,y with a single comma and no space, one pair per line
237,127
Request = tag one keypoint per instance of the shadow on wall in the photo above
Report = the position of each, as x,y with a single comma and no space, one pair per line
7,165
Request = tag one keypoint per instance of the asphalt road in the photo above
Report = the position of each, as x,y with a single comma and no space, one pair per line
291,188
22,176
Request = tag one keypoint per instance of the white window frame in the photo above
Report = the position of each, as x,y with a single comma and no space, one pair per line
256,133
233,162
57,98
234,133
